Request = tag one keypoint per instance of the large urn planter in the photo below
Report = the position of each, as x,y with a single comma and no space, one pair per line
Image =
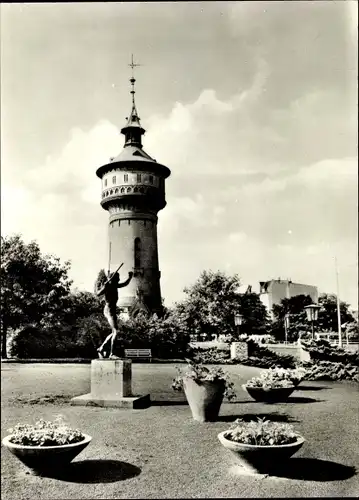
269,395
204,398
204,387
46,459
257,459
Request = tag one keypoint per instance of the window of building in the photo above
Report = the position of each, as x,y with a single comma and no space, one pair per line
138,177
137,252
150,178
114,179
125,177
105,182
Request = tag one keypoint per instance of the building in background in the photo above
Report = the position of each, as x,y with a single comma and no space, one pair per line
273,291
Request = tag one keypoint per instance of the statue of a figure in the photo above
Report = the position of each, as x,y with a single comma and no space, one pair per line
109,290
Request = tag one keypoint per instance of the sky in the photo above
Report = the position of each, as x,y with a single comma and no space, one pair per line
252,105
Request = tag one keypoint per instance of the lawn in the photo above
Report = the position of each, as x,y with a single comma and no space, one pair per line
161,452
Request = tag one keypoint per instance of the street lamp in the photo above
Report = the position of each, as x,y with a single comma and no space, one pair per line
238,320
312,315
286,326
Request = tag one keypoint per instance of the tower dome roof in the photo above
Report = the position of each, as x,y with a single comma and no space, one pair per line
132,151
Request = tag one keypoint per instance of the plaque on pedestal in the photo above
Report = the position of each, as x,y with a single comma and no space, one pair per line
111,386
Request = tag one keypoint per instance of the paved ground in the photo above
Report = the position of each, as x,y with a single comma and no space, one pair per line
161,452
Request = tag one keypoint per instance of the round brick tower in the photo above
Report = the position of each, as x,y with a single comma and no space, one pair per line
133,192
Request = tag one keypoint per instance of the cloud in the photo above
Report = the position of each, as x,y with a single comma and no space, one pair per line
260,135
202,136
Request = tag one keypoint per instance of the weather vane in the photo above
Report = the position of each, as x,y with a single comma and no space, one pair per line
133,65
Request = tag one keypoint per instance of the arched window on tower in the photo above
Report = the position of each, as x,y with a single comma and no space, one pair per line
137,252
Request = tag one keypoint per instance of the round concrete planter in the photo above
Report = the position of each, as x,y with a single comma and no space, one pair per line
297,382
204,398
275,395
46,459
260,459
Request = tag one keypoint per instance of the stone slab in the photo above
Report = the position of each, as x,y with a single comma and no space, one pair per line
132,402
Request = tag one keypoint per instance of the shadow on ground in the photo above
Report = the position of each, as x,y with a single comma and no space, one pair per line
276,417
97,471
166,402
299,399
312,469
311,388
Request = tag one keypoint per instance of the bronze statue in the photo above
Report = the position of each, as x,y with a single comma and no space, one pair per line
109,290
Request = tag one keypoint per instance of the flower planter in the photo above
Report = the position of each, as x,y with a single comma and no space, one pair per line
273,395
296,382
204,398
260,459
45,459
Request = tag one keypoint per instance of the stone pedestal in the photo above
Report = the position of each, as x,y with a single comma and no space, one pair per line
111,386
239,349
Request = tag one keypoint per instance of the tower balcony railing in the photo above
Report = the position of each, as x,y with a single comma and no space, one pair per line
145,195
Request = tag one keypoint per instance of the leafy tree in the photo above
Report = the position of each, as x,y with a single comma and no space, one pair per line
327,317
77,305
100,280
213,300
32,286
294,306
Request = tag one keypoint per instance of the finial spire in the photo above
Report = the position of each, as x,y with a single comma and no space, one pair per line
133,130
133,79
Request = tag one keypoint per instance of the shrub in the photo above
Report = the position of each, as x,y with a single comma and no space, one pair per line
45,433
262,432
210,355
328,370
321,350
200,373
33,342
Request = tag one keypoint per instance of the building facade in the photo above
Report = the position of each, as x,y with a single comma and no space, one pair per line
133,192
273,291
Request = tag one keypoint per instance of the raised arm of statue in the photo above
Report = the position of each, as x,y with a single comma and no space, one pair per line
125,283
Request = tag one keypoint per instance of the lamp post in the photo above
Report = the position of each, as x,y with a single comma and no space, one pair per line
286,326
312,315
238,320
